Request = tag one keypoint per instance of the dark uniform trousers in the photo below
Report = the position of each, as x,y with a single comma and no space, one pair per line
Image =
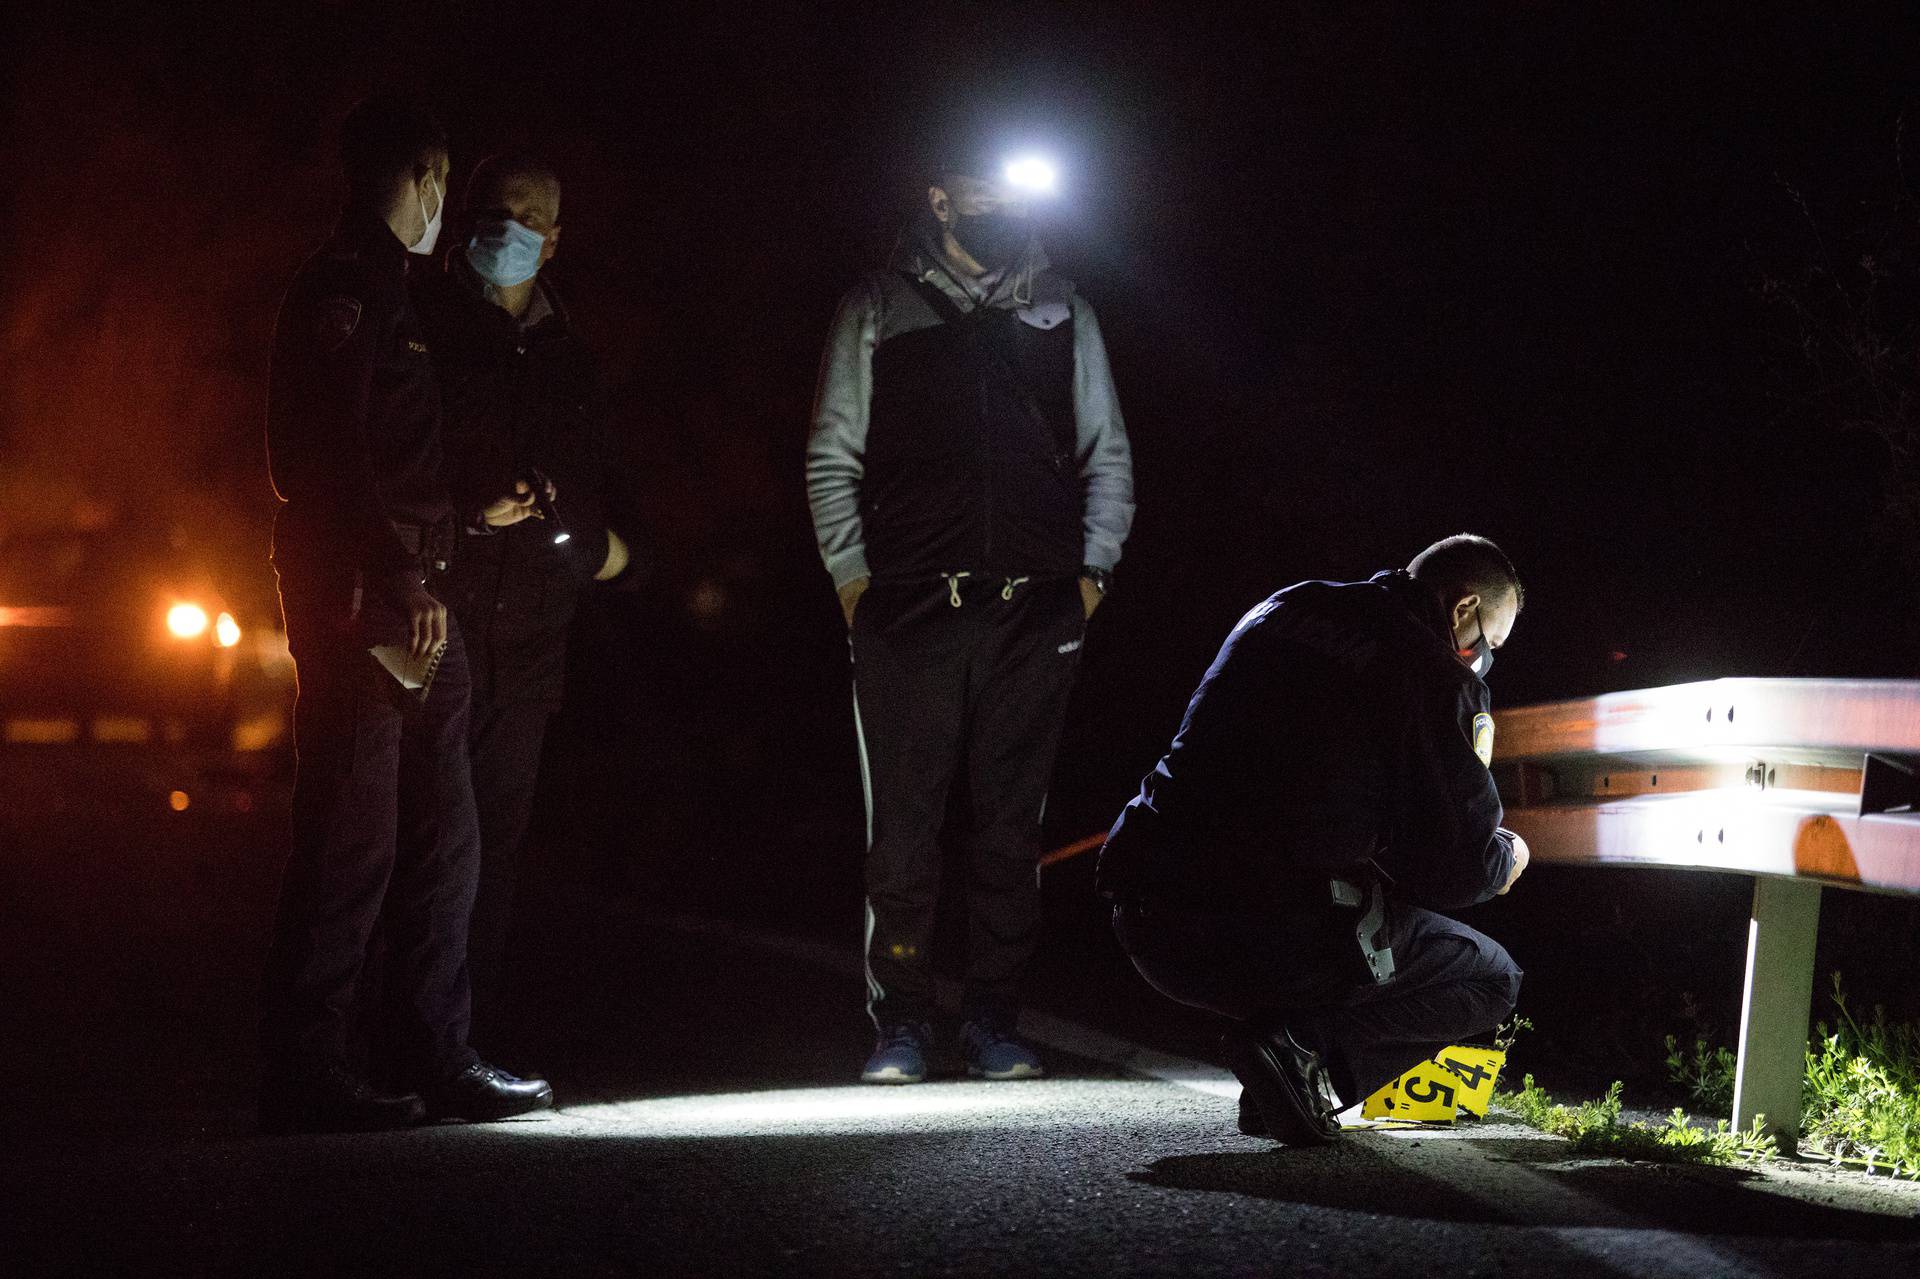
514,396
975,693
384,833
506,739
1450,983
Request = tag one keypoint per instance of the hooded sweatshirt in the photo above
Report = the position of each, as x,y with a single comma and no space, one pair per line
966,426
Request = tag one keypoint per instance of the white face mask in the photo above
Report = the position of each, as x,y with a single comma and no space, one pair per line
426,241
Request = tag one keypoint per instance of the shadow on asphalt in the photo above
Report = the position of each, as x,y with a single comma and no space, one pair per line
1346,1176
1357,1175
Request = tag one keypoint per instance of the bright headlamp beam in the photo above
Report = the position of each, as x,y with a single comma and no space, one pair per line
1033,174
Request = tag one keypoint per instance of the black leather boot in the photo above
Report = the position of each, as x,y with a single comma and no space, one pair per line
481,1093
1285,1083
1250,1123
333,1099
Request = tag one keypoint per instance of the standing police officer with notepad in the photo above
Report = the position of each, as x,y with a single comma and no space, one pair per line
383,812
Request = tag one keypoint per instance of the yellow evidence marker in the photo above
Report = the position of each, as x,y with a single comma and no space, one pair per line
1434,1092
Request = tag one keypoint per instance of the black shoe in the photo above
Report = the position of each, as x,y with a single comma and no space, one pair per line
333,1099
481,1093
1251,1124
1287,1085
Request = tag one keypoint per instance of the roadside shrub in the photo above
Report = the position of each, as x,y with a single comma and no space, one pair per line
1862,1093
1705,1071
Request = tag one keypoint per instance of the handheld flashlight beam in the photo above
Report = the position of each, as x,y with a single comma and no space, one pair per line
547,508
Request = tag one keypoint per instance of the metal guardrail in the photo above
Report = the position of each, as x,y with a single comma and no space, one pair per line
1798,783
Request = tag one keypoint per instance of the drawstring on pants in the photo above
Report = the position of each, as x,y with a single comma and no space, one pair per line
953,586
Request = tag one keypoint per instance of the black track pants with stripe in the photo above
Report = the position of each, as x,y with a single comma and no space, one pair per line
970,695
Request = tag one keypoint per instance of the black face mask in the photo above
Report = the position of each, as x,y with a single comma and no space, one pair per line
994,240
1477,656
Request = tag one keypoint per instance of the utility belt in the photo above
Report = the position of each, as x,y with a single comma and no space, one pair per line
1364,893
1368,895
429,544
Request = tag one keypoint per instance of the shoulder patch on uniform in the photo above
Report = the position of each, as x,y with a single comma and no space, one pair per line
1483,738
334,320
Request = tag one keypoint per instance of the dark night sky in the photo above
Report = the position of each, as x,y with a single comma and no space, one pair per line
1368,277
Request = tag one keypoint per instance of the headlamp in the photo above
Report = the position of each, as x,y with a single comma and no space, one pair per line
1033,174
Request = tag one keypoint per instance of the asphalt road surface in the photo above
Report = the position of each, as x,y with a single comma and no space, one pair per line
709,1125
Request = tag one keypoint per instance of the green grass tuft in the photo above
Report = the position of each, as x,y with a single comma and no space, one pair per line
1595,1128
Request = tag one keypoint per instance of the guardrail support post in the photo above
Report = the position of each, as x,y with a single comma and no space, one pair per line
1775,1006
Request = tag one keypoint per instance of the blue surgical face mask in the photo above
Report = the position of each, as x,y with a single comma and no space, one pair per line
505,253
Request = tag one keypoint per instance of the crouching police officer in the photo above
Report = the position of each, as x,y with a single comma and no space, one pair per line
523,402
383,812
1328,791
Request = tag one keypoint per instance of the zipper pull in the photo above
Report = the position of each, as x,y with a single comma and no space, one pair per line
1006,592
953,587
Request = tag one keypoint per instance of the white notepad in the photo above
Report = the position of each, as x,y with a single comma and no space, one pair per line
414,673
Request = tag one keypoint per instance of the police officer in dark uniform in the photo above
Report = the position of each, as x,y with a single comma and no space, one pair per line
1327,794
523,403
383,812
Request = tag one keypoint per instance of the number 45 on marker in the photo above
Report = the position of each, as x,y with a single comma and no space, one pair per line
1458,1078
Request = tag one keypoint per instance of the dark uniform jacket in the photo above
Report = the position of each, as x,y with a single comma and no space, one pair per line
353,423
1336,727
517,398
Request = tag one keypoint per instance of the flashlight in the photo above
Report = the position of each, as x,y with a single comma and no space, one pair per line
1034,174
545,505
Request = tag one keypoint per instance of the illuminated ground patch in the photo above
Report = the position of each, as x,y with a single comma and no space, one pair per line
957,1106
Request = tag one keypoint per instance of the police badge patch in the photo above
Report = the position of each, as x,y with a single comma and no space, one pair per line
1483,738
334,321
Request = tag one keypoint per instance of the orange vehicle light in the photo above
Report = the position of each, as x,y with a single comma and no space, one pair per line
187,621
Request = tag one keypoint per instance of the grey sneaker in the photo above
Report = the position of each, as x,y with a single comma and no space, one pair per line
900,1056
995,1052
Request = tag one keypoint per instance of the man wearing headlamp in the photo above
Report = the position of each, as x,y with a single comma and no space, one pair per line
523,408
971,486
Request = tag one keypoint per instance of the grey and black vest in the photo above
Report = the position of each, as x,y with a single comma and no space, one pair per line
969,461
